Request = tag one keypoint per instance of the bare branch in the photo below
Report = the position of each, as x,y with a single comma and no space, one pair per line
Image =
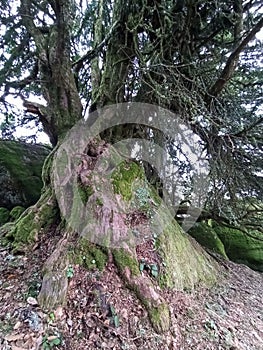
231,63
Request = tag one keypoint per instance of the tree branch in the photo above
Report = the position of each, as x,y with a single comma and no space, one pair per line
249,127
20,84
94,52
231,63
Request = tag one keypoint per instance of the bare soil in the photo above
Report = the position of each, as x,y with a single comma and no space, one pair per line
101,313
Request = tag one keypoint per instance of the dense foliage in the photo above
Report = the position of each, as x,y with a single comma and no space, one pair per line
201,59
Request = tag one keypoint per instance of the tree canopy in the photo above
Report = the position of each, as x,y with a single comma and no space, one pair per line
199,59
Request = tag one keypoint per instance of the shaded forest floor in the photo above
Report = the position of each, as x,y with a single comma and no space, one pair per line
102,314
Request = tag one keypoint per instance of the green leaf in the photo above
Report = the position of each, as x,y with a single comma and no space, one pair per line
112,310
56,341
154,270
116,321
52,316
70,272
142,266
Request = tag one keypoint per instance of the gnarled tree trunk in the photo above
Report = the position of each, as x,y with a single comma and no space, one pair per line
113,225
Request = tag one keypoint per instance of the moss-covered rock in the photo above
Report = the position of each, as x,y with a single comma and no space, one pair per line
20,169
207,237
4,216
16,212
242,248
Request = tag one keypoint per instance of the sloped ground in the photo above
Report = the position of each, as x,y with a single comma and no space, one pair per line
102,314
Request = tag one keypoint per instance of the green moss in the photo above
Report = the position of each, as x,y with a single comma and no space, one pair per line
89,255
46,169
4,216
24,231
85,192
33,220
242,248
185,264
123,260
24,163
124,176
99,202
16,212
160,317
208,238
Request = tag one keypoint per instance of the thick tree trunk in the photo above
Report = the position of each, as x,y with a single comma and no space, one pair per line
137,234
109,216
57,81
121,221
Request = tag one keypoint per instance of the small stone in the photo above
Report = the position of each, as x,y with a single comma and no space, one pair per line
17,325
69,322
32,301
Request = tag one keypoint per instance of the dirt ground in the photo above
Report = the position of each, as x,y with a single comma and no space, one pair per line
102,314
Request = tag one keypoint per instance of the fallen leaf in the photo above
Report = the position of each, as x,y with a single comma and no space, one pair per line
14,337
17,348
59,313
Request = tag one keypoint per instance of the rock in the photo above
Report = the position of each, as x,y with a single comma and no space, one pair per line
32,301
242,248
32,319
20,173
208,238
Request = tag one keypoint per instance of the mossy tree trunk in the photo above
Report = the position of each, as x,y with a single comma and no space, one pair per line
54,69
176,261
123,229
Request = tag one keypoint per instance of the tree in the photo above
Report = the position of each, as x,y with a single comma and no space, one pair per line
190,57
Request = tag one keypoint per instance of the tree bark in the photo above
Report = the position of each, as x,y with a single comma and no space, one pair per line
56,76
